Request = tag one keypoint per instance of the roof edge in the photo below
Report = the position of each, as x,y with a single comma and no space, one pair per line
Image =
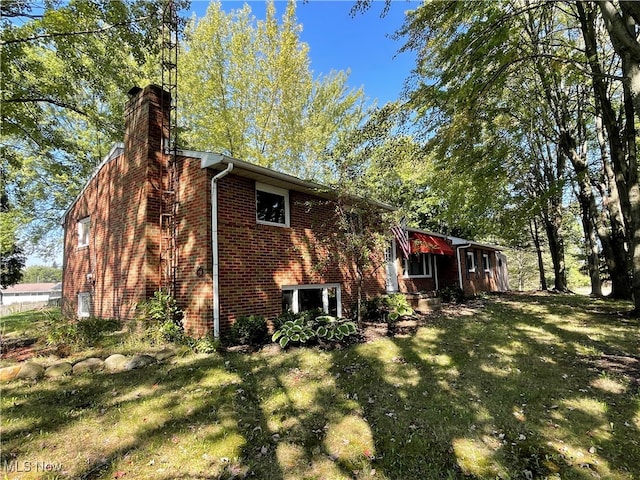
117,149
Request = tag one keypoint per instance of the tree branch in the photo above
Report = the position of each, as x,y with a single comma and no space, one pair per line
52,101
79,32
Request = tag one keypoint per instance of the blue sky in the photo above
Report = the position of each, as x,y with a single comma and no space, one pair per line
338,41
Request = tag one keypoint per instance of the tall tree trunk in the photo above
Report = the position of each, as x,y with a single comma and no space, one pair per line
552,225
621,173
611,227
535,235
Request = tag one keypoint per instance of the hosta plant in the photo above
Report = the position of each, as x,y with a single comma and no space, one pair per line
293,331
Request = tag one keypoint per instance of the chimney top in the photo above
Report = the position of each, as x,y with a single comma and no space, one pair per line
134,91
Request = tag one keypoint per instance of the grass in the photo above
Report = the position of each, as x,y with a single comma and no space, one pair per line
512,389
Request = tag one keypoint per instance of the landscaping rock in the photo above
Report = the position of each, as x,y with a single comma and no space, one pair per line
58,370
140,361
88,365
9,373
165,353
30,371
116,362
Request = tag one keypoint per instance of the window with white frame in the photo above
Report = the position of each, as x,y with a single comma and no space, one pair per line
486,266
471,261
272,205
84,304
84,227
301,298
418,265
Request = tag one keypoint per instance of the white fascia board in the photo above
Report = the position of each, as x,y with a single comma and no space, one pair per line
267,175
457,241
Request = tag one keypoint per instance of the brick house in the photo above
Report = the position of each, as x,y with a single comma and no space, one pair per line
244,239
248,240
431,262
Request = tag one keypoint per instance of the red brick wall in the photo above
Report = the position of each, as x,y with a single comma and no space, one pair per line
124,203
121,200
478,281
194,290
256,260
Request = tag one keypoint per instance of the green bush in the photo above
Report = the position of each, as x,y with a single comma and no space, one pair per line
66,334
207,344
250,330
162,318
451,295
305,327
293,331
387,308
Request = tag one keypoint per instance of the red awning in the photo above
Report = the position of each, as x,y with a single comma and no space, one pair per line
423,243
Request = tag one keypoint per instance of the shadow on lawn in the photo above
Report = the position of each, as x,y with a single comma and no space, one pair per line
502,393
104,393
507,392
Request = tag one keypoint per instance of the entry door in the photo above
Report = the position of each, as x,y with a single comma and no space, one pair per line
392,269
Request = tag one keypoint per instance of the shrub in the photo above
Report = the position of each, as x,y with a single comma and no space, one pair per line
207,344
69,334
387,308
332,328
293,331
312,325
251,330
451,295
162,318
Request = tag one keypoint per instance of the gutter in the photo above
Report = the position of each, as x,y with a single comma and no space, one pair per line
458,248
214,248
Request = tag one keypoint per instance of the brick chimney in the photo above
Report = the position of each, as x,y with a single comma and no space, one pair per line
146,114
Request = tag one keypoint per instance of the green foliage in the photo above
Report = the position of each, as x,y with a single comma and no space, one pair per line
387,308
293,331
65,70
332,328
247,90
162,318
73,335
206,344
313,325
41,273
451,294
249,330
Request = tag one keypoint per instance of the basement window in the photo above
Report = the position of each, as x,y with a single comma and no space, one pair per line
84,305
272,205
302,298
84,227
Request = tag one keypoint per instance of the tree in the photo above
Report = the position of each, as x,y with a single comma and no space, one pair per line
66,66
12,258
41,273
246,90
480,61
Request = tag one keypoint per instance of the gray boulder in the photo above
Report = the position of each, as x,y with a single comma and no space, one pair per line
30,370
115,362
88,365
58,370
140,361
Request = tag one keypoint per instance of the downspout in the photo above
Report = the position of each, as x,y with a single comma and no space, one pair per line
458,248
214,249
435,271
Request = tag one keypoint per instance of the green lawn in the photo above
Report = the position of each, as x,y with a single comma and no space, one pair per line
516,388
